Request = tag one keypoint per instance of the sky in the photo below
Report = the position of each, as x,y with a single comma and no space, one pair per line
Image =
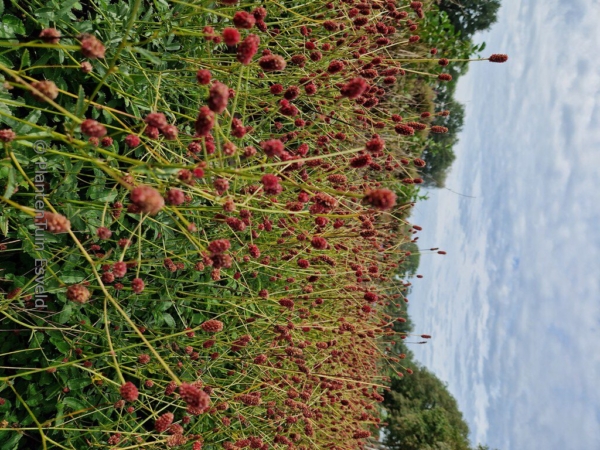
514,306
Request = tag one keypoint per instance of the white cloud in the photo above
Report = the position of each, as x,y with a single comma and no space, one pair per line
513,306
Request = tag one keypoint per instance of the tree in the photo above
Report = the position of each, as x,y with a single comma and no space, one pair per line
439,158
409,262
439,154
422,414
471,16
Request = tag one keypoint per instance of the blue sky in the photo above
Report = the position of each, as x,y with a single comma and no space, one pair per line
514,307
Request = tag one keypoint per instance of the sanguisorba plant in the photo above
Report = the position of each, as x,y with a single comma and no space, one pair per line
202,210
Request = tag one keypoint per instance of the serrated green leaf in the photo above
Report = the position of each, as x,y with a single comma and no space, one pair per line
32,118
14,23
47,13
25,59
61,345
11,181
78,383
72,277
67,6
65,314
5,61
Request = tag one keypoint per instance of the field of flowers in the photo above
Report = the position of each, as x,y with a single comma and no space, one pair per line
203,213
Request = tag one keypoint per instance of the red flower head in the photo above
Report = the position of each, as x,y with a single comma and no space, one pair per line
137,285
163,422
272,63
157,120
319,243
354,88
91,47
205,121
147,199
194,397
231,36
78,293
287,109
170,132
119,269
376,144
203,76
45,87
276,89
219,246
273,147
50,35
221,185
103,233
259,13
404,130
271,184
53,223
360,161
380,198
129,392
92,128
175,197
238,129
439,129
217,97
335,66
7,135
242,19
247,49
498,58
212,326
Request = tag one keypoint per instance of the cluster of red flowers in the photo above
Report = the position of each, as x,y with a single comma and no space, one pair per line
284,257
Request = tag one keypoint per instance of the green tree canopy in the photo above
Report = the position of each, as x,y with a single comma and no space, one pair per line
471,16
422,414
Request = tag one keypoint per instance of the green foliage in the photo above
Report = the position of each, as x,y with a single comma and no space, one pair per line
292,290
471,16
423,414
410,259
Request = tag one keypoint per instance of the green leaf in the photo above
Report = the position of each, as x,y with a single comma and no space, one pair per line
148,55
4,225
13,442
59,414
47,13
67,6
80,102
1,7
25,60
73,403
11,182
5,61
168,318
72,277
14,24
78,383
65,314
32,118
60,344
